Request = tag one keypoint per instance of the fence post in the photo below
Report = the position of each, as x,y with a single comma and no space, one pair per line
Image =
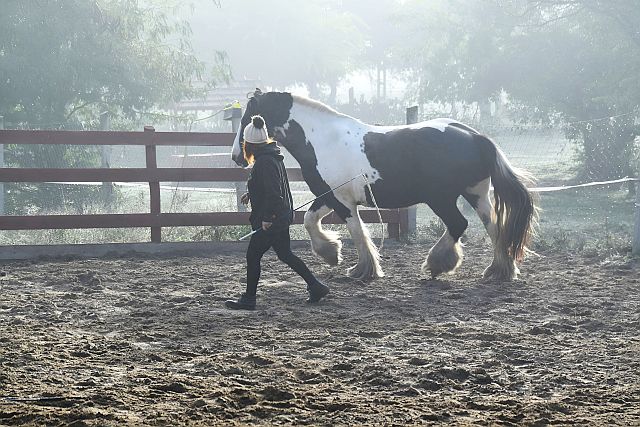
636,235
408,215
1,166
395,229
234,114
154,187
107,187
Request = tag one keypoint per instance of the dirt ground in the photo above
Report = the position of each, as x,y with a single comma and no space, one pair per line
147,341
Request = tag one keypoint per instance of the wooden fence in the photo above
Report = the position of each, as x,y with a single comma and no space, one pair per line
397,219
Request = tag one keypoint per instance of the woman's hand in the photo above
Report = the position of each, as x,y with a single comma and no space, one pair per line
244,199
266,225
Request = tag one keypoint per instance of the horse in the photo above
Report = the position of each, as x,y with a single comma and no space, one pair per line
433,162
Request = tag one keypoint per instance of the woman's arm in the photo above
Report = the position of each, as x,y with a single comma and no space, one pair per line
269,176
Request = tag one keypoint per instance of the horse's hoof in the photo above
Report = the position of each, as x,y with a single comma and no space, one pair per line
489,279
494,274
329,252
332,260
433,270
358,273
487,275
443,261
498,278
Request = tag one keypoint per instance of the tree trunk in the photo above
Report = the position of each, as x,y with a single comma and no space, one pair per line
333,93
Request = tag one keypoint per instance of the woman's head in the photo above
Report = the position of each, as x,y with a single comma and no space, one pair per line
255,135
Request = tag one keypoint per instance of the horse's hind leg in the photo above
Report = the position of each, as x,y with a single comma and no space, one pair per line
446,255
324,243
368,266
503,266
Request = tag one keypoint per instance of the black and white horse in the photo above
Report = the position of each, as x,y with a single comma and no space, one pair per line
432,162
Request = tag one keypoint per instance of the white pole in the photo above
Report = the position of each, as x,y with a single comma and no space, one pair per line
1,166
107,187
636,235
241,187
411,118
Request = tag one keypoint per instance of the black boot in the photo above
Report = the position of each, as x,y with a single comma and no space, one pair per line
245,302
317,290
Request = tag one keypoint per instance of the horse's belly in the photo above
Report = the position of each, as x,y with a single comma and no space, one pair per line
393,197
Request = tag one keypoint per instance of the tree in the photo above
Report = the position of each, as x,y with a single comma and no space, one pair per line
63,62
578,59
313,43
61,56
581,58
452,48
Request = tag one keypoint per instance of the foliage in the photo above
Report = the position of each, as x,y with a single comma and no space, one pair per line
452,52
574,58
63,62
585,58
61,56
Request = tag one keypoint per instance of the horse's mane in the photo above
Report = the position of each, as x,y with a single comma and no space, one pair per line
317,105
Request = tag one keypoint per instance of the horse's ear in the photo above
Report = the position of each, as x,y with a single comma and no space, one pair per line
254,94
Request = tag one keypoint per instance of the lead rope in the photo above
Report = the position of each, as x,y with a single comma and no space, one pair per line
373,199
305,204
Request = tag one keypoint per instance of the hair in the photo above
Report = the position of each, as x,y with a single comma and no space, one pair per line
248,148
257,122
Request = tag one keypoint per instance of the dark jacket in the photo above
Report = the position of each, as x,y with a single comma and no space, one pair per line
269,190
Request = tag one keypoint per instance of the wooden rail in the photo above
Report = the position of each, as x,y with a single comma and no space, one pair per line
155,219
116,138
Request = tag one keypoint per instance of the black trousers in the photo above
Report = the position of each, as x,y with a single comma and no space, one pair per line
280,241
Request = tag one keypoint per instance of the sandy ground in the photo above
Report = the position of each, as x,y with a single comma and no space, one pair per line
146,341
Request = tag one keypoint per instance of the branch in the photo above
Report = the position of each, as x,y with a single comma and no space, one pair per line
80,107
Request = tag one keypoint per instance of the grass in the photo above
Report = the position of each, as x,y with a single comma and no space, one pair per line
599,220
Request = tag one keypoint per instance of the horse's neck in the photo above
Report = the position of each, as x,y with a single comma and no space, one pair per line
328,136
323,121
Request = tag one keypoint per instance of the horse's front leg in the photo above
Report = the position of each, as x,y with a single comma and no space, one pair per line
368,266
446,255
324,243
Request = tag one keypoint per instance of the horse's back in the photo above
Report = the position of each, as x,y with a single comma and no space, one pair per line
426,160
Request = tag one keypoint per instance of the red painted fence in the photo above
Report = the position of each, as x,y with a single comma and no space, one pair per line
397,219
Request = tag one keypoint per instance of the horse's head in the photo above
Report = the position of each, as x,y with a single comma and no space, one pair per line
274,107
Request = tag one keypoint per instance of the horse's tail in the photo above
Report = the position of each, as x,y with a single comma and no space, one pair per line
515,206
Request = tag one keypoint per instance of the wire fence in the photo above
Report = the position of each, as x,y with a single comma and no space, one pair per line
595,217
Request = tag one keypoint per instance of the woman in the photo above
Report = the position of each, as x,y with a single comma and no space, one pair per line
271,213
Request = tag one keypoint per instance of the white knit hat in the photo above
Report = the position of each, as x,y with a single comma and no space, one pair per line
256,132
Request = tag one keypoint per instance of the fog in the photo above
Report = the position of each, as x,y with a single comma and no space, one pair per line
572,65
111,117
315,48
575,59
